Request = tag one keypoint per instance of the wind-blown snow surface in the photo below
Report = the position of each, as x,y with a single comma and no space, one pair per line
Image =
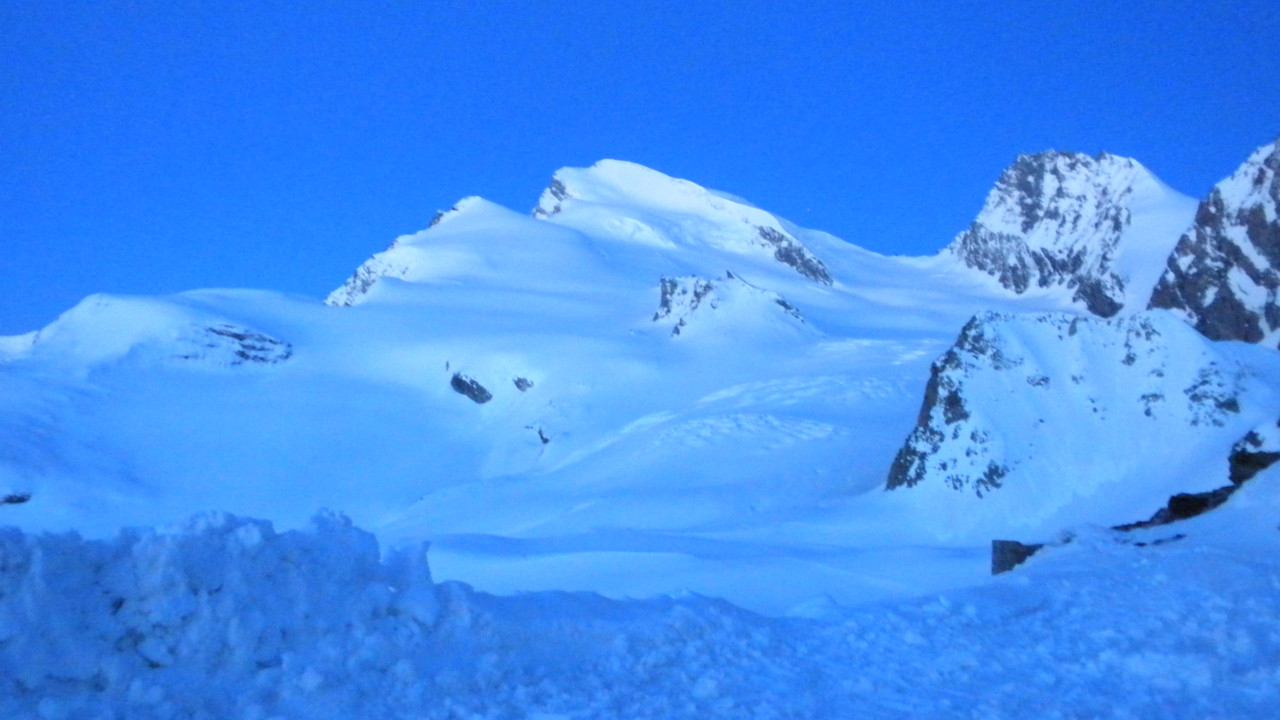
645,388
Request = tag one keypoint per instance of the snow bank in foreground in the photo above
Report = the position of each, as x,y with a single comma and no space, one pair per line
221,618
226,618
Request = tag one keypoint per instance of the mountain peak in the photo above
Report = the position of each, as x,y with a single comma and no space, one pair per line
670,212
1068,220
475,238
1039,189
621,182
1223,277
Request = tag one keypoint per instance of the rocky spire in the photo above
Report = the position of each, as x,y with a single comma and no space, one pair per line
1224,272
1057,219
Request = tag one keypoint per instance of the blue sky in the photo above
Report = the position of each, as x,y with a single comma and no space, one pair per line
157,147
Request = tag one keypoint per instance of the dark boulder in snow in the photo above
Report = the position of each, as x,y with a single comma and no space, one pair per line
1255,452
15,498
1224,273
471,388
1008,554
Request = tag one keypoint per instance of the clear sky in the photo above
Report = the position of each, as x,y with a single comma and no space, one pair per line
153,147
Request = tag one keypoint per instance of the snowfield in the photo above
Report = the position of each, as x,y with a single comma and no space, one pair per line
672,456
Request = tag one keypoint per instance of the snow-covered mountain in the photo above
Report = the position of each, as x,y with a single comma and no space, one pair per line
645,206
642,388
638,354
590,222
1091,229
1224,275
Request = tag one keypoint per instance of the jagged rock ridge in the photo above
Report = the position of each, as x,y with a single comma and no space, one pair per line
1057,219
1224,273
1055,407
788,251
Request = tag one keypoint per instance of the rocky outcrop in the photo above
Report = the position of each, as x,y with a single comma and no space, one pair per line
227,344
682,300
381,265
944,419
1224,273
788,251
1053,220
1008,554
549,204
471,388
1039,395
1255,452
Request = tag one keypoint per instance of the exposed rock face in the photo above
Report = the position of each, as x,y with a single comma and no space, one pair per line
228,344
381,265
1224,273
551,198
1255,452
788,251
944,417
680,297
1030,399
1008,554
681,300
1056,220
471,388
